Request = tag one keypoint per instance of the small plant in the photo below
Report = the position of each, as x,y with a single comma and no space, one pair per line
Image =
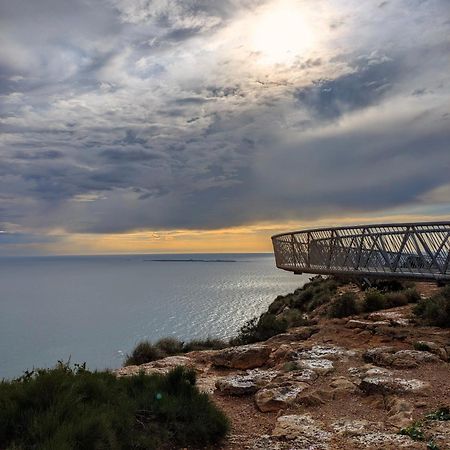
414,431
344,306
374,300
290,366
441,414
421,346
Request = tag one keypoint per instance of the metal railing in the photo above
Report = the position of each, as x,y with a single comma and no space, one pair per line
401,250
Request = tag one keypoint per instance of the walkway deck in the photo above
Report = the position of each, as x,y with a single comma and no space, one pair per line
402,250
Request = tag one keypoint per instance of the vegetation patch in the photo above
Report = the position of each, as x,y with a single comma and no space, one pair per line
435,311
145,351
421,347
261,329
344,306
374,300
414,431
441,414
71,408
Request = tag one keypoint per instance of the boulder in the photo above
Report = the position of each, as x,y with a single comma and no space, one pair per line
325,351
386,441
319,365
432,347
303,430
303,375
283,353
390,385
342,387
366,325
349,427
405,359
247,383
242,357
380,356
294,335
400,412
395,318
237,385
310,399
278,397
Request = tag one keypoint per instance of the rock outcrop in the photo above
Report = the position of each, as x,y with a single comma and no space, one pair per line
342,384
242,357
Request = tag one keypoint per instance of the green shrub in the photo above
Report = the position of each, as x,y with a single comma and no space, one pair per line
374,301
344,306
421,347
170,346
391,285
74,409
435,311
414,431
290,366
144,352
412,295
294,318
442,414
204,344
261,329
394,299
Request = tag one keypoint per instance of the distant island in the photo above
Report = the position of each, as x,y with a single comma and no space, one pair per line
193,260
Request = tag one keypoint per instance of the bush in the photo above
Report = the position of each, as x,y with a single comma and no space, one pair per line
170,346
344,306
391,285
144,352
374,301
422,346
204,344
435,311
261,329
74,409
293,317
412,295
394,299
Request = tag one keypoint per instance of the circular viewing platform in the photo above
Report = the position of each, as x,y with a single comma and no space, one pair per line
402,250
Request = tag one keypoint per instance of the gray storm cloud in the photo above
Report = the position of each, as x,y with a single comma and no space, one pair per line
119,115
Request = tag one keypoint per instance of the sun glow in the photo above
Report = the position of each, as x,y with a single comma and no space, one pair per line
281,33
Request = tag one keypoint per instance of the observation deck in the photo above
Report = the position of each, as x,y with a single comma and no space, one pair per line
418,251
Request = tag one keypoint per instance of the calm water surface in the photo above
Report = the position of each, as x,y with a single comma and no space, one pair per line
96,308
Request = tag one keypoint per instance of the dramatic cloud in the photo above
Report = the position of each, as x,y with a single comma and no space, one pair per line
121,115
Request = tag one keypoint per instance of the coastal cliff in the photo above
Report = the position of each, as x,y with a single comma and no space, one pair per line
375,378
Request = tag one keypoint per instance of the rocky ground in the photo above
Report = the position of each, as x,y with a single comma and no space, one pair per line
349,383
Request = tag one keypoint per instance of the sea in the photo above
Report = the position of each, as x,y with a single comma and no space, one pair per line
95,309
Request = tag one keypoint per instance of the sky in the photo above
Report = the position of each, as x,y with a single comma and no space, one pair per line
208,125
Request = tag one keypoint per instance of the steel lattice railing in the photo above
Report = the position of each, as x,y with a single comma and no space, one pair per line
407,250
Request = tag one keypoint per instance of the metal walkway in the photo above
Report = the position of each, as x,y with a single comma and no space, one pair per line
402,250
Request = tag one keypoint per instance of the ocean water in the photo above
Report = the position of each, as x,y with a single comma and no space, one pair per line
94,309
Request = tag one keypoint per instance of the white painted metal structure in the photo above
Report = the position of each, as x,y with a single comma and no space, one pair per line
400,250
